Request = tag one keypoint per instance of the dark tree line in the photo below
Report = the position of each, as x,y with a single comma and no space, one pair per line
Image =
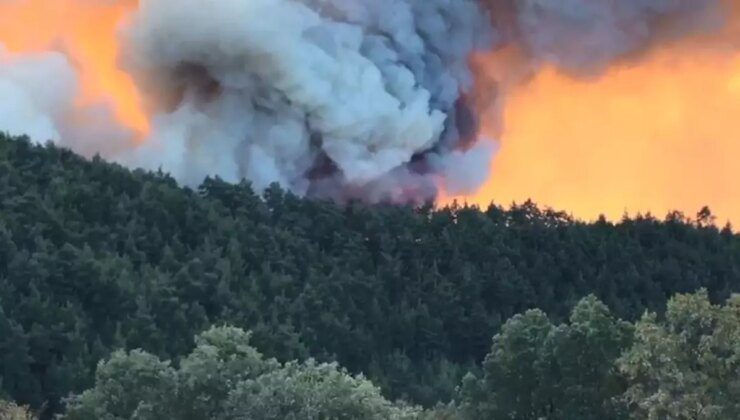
95,257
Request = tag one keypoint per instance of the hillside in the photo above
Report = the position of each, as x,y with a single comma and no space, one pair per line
95,257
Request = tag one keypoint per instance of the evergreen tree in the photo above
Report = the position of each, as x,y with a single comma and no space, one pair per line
95,257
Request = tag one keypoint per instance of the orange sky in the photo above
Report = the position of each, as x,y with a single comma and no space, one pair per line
86,31
654,135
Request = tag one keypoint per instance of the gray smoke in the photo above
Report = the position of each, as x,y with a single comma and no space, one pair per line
323,97
589,34
370,99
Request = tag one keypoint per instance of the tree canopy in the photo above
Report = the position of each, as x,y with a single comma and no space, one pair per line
536,369
594,366
224,377
686,366
95,257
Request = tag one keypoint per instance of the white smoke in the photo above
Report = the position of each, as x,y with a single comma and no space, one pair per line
265,89
37,91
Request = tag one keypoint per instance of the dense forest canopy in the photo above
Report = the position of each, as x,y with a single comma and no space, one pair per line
95,257
594,366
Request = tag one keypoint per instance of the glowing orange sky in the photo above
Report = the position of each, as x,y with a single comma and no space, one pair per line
658,134
86,31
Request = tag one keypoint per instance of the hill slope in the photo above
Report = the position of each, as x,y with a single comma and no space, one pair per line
95,257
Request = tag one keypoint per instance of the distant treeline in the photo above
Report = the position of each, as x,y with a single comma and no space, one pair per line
95,257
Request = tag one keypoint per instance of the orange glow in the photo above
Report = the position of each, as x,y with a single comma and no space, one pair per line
86,31
656,134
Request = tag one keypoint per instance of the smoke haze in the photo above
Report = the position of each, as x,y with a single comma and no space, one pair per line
335,98
37,90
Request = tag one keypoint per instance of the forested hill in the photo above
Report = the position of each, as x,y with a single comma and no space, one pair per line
95,257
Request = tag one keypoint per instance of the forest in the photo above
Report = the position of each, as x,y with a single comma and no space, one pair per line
124,295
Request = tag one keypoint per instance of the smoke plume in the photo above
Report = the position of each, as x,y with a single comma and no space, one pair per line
328,97
370,99
36,91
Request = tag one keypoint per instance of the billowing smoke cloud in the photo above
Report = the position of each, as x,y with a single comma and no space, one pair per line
320,96
339,98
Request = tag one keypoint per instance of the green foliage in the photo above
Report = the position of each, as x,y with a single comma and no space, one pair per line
226,378
222,357
579,363
538,370
134,385
11,411
95,257
593,367
688,365
311,391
